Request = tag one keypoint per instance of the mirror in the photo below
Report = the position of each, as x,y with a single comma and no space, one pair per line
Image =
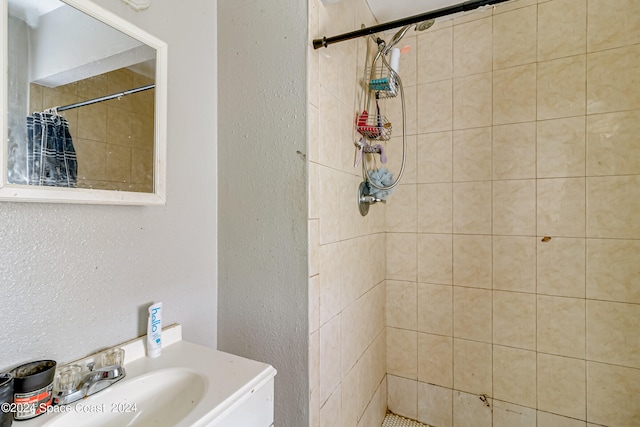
83,106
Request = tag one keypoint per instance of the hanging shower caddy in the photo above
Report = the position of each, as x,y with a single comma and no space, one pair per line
380,81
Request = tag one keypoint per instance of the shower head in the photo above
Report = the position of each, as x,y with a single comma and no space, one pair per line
425,25
420,26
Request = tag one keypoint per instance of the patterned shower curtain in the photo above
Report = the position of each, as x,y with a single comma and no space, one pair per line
51,158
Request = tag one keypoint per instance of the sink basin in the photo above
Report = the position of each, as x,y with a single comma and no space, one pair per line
159,398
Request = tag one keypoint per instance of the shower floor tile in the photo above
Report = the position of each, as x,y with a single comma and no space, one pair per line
393,420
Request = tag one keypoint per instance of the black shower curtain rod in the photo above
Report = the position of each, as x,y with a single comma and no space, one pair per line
462,7
106,98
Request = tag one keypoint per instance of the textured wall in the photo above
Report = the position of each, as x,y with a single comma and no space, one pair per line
74,278
262,193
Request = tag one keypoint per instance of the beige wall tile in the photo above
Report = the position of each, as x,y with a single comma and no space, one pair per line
561,267
391,108
612,333
613,206
562,385
401,210
472,371
375,412
472,47
514,263
314,303
350,337
314,247
612,270
402,305
472,207
514,211
402,256
514,95
435,103
329,115
472,261
92,122
561,326
514,151
435,208
546,419
330,352
314,409
472,313
314,132
435,258
408,68
435,309
394,150
331,281
118,163
514,37
514,375
402,353
609,77
314,361
611,27
435,157
435,359
402,396
561,207
514,321
349,386
313,172
331,411
472,154
613,393
435,405
435,55
470,410
562,87
510,415
472,101
612,144
329,204
562,28
92,159
561,148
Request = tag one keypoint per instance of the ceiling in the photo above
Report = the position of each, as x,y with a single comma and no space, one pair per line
31,10
386,10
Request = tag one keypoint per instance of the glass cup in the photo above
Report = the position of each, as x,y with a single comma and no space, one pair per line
67,378
111,357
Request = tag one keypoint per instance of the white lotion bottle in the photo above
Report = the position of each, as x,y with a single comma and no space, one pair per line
394,60
154,330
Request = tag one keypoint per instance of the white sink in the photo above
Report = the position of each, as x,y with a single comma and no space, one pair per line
163,397
188,385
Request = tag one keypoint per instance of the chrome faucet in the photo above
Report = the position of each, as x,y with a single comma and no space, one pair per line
90,383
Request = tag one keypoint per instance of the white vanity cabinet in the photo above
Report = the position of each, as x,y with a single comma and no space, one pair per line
253,410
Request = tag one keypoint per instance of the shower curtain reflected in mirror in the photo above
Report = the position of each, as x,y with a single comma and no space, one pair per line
51,158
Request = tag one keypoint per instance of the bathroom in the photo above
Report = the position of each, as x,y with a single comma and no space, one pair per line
269,258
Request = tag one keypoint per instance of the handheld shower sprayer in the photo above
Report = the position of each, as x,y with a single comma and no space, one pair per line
421,26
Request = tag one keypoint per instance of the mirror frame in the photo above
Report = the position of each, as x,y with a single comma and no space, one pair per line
27,193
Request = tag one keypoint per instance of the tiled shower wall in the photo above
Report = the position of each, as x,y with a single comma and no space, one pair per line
113,139
347,252
513,245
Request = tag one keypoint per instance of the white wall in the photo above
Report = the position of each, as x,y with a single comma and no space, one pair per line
262,193
75,278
